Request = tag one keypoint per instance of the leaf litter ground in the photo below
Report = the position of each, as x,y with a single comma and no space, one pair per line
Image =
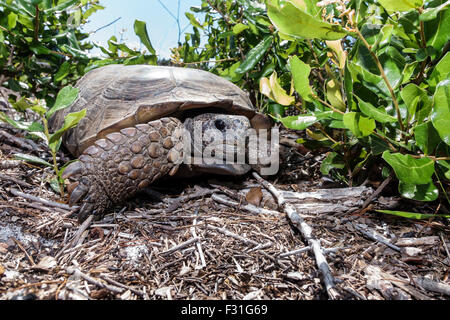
177,242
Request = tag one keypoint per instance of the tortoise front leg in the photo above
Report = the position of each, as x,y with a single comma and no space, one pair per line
115,168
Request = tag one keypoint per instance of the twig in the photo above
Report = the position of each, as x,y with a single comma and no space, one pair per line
10,164
118,284
24,251
431,285
248,207
375,236
198,245
232,235
181,246
17,181
306,232
77,273
40,200
377,192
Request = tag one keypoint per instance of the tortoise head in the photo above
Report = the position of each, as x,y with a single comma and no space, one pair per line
219,143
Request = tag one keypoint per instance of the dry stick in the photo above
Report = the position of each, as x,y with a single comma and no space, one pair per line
40,200
249,207
118,284
377,192
306,231
431,285
10,164
232,235
375,236
77,273
18,141
15,180
198,245
181,246
24,251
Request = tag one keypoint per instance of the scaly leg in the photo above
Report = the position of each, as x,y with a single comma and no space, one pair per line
115,168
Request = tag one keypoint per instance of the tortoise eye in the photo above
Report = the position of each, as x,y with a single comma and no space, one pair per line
220,124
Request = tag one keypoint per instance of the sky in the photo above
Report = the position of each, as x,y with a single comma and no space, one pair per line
161,26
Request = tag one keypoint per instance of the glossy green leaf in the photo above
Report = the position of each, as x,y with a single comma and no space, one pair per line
436,30
427,138
254,56
291,19
300,75
70,121
440,116
65,98
410,170
140,28
238,28
415,98
193,20
400,5
32,159
431,13
375,113
359,125
412,215
441,71
63,71
419,192
301,122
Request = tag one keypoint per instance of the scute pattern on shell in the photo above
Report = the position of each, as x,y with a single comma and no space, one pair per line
119,96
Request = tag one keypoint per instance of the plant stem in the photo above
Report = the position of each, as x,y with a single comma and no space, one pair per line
328,105
36,24
383,75
55,162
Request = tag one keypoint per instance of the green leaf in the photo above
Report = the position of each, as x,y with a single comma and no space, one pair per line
375,113
436,30
193,20
441,71
301,122
140,28
334,95
238,28
419,192
300,74
62,6
70,121
440,116
360,126
400,5
410,170
415,98
32,159
255,55
63,71
12,20
65,98
332,161
431,13
412,215
291,19
230,73
427,138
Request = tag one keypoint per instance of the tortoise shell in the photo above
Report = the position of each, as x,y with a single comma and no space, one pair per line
118,96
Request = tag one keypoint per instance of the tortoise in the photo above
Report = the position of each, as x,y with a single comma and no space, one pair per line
132,134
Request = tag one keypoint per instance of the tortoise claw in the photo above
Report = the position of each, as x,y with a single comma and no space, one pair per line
85,211
79,192
72,169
